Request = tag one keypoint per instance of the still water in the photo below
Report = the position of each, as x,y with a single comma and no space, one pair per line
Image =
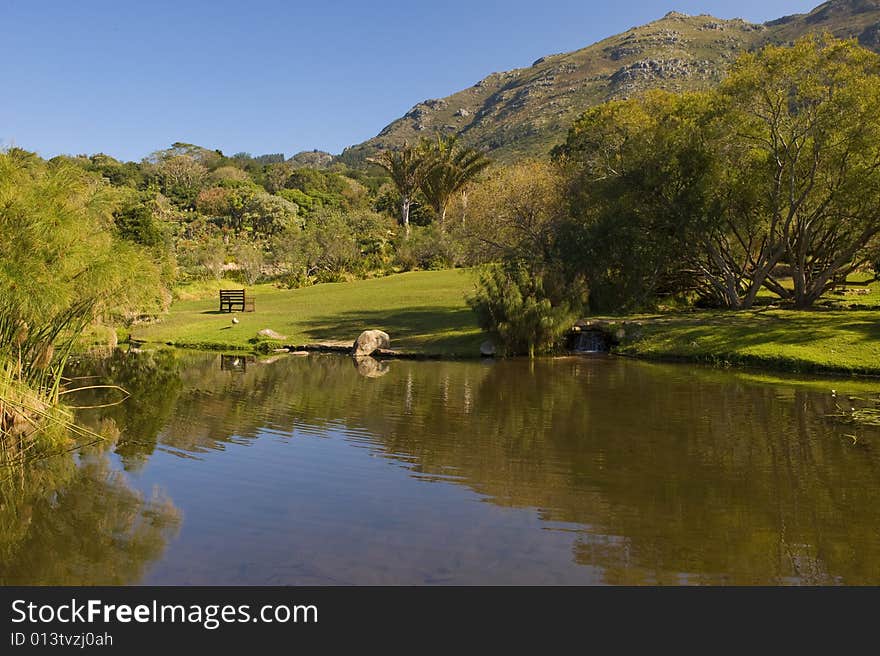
312,471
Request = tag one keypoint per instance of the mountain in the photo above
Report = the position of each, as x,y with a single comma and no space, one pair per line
313,159
528,110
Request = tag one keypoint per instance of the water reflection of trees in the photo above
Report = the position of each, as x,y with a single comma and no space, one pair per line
152,380
68,523
666,474
72,518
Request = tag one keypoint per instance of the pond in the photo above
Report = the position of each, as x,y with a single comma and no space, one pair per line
576,470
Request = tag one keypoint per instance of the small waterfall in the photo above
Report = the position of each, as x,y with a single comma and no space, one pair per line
590,341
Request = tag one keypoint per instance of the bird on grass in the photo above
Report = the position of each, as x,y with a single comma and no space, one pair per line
234,320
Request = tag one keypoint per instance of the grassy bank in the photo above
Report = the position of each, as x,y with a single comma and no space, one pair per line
423,311
823,340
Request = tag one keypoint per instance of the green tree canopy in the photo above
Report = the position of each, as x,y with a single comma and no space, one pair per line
407,166
779,165
450,168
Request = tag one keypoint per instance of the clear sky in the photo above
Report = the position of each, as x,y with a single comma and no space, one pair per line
129,77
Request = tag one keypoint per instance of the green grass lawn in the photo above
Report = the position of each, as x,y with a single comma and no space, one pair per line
426,312
816,340
423,311
842,334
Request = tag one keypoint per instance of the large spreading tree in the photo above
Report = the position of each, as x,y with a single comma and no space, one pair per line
810,117
778,166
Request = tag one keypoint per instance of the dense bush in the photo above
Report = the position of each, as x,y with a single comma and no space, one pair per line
427,247
523,310
330,246
62,262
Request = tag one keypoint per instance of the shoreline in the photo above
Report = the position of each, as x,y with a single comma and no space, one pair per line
779,365
756,365
427,317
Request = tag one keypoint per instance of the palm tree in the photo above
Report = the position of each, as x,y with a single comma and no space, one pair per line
449,171
407,167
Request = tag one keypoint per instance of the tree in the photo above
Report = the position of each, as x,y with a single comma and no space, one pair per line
181,177
135,222
205,156
229,174
210,255
626,201
450,168
713,190
250,258
117,173
664,202
325,247
215,201
810,117
516,212
266,215
407,167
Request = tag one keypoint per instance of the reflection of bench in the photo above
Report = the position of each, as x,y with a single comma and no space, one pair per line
235,298
235,362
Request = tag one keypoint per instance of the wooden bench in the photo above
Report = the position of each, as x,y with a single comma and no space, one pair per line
235,298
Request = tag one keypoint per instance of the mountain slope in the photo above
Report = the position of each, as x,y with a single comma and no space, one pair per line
858,19
528,110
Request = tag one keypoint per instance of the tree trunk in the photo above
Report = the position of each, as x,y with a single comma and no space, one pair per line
404,214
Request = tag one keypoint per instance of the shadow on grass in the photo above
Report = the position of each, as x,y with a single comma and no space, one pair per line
430,324
738,330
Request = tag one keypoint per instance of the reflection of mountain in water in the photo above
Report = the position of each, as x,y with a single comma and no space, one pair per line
673,474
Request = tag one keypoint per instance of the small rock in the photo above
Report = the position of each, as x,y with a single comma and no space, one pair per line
270,334
370,341
487,349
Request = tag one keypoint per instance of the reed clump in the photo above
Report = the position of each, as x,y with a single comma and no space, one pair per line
63,267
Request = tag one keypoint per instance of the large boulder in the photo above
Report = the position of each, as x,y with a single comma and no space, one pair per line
370,341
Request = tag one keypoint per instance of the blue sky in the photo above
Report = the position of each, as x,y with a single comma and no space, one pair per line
128,78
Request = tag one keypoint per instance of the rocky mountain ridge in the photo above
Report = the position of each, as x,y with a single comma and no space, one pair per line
528,110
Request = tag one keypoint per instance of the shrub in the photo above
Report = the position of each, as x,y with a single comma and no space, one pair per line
520,312
426,247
